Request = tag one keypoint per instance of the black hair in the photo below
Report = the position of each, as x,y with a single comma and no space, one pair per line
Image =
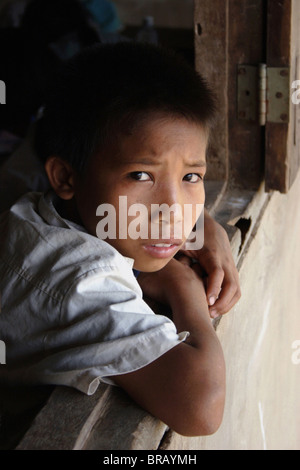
106,90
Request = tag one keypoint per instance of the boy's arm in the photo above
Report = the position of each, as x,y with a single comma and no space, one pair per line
222,283
185,387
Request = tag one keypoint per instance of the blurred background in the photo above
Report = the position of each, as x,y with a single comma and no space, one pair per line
37,35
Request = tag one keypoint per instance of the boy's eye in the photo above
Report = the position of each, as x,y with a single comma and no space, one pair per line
140,176
193,178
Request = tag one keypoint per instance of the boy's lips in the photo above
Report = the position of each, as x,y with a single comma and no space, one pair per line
163,248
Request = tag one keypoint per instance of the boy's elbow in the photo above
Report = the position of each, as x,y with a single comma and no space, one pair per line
210,415
203,416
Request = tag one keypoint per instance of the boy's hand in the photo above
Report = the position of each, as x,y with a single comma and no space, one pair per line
215,258
160,286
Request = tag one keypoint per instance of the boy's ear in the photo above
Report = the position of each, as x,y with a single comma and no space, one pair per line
61,176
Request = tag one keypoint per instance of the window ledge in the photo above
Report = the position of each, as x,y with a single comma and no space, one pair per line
238,211
107,420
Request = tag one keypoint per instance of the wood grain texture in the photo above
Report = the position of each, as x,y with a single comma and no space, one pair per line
246,139
211,55
228,33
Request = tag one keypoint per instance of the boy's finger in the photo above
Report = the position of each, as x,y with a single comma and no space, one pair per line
227,299
214,285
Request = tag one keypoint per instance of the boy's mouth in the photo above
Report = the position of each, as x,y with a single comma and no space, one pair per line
162,245
163,249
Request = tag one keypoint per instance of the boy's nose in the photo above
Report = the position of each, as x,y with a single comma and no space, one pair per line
166,213
169,193
168,208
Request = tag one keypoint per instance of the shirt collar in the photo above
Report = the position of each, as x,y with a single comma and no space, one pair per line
47,209
48,212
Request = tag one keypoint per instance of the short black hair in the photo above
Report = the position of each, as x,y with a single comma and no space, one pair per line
106,90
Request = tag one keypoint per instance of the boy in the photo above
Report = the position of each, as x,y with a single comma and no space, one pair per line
122,120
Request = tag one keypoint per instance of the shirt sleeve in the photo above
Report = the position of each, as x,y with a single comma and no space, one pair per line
105,329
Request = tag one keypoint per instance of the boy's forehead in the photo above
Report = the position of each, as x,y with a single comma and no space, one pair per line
150,140
158,136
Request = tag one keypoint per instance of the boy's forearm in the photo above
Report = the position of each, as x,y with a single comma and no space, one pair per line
185,387
190,313
205,371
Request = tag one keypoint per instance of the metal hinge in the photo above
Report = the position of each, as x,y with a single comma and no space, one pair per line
263,94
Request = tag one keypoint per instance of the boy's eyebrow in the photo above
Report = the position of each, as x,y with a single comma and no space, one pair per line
199,163
141,162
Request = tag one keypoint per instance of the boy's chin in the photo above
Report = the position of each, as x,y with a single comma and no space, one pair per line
151,267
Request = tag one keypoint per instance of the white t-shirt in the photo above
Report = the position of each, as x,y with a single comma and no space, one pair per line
72,311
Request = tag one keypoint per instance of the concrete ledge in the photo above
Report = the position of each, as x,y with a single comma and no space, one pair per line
107,420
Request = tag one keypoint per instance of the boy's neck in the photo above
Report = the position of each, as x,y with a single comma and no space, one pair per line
67,210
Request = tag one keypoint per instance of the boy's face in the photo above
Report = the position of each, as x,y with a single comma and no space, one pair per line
163,162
